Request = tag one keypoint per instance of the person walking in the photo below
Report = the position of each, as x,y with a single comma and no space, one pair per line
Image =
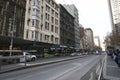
116,55
118,59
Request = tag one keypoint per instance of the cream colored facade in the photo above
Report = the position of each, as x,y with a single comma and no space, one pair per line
89,38
42,21
116,10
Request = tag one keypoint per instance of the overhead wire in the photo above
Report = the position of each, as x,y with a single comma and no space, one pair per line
81,17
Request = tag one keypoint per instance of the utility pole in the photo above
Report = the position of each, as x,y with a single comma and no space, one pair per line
12,31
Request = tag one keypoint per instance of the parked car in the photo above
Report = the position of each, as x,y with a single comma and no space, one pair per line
75,54
27,57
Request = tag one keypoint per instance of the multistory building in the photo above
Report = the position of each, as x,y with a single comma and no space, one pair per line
67,34
42,21
82,38
89,39
32,20
12,16
74,12
97,41
114,8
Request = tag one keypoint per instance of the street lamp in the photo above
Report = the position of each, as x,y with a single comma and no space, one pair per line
11,43
11,35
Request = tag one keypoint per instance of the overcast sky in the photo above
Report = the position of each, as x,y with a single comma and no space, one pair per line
93,14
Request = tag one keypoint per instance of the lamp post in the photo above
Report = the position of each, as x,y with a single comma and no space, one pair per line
11,43
11,35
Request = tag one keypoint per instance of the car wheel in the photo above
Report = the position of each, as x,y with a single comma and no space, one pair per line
33,59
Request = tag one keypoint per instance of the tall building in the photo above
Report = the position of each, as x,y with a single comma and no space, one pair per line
32,20
114,8
67,35
97,41
82,38
42,21
89,38
12,16
74,12
25,22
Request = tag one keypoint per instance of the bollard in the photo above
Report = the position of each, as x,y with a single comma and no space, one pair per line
0,64
25,60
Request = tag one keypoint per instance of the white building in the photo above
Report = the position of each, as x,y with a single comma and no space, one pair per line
42,21
89,39
114,8
97,41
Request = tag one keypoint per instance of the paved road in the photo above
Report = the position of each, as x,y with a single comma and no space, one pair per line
66,70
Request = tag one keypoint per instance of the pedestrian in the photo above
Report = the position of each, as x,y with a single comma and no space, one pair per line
116,55
118,59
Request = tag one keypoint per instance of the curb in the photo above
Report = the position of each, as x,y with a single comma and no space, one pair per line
40,64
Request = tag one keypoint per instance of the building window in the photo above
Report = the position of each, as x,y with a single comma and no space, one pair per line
56,8
47,8
52,19
27,34
52,28
48,1
33,9
29,1
47,16
56,40
52,12
46,26
0,9
52,38
36,3
35,23
47,38
32,35
52,4
29,10
28,22
56,29
56,21
36,35
56,14
41,36
36,12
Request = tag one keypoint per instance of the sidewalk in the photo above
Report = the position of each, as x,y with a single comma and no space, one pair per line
19,66
112,69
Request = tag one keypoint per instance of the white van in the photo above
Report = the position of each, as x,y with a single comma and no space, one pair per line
27,57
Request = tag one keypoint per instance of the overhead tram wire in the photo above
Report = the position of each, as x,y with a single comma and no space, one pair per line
64,1
82,17
86,24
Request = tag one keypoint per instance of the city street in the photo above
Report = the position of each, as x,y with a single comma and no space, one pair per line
59,39
66,70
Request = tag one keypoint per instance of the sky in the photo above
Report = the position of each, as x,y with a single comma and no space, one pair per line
93,14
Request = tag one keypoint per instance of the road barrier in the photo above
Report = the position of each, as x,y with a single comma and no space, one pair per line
4,60
101,70
96,71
